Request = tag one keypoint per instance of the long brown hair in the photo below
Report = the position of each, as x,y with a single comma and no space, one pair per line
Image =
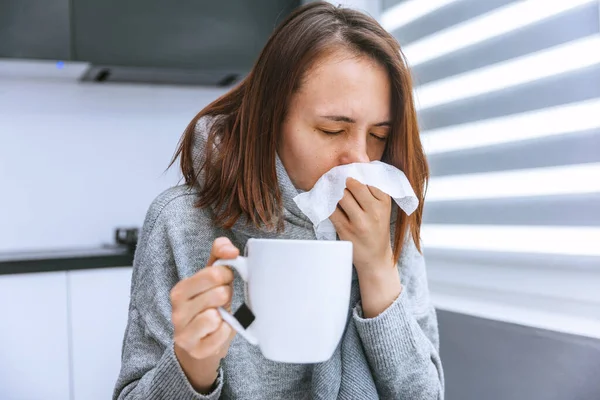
239,175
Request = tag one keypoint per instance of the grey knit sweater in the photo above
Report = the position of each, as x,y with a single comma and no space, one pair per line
391,356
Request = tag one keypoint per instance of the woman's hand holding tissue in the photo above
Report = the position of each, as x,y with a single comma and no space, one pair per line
363,217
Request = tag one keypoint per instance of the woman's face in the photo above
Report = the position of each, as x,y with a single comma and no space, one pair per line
340,115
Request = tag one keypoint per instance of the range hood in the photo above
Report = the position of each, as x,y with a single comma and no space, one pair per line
193,42
164,75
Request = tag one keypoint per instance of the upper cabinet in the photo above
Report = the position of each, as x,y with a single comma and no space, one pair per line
207,35
36,29
192,41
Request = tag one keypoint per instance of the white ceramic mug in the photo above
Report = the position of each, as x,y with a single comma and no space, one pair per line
299,293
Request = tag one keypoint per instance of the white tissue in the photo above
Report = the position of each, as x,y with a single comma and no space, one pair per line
321,201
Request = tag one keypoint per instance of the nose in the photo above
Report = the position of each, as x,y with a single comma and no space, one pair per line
355,150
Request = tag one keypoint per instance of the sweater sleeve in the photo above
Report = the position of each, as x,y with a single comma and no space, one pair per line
402,343
149,367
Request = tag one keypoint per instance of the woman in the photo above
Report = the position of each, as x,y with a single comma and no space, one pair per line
329,88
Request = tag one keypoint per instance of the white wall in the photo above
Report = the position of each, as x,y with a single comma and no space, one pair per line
77,160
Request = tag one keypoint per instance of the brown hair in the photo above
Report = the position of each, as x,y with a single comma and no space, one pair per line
239,174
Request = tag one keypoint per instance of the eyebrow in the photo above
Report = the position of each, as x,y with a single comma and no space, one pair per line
342,118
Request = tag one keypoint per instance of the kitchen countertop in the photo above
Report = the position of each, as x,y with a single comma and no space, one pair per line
65,260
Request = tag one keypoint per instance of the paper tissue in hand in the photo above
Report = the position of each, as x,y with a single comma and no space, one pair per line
321,201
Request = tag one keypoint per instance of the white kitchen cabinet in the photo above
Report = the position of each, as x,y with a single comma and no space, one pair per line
34,339
98,302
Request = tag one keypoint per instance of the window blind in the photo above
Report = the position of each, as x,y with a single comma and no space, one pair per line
508,97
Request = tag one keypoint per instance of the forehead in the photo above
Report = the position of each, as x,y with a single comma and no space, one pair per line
344,83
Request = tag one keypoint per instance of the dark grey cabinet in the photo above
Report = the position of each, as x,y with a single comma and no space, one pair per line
198,34
35,29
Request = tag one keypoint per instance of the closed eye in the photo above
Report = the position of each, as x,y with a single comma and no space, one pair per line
331,132
383,139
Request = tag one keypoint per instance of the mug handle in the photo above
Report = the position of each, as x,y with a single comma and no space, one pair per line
240,264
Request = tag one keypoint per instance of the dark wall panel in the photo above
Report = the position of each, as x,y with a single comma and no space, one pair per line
492,360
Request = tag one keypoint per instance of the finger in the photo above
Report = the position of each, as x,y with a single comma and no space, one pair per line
202,325
361,193
200,282
378,194
206,279
222,248
215,342
350,206
216,297
339,219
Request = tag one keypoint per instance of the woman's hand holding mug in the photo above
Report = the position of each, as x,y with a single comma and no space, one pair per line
201,336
